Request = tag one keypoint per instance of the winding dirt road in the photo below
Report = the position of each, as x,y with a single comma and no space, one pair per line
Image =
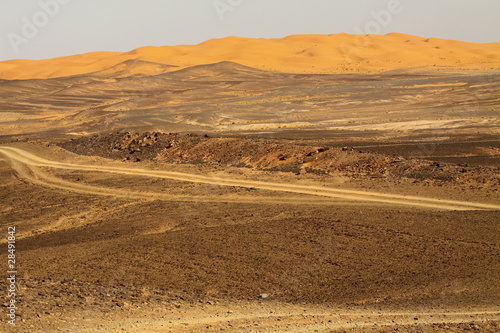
279,317
280,321
28,165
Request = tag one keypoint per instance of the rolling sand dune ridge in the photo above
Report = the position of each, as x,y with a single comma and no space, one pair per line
319,54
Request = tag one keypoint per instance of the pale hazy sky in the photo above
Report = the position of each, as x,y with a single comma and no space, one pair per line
37,29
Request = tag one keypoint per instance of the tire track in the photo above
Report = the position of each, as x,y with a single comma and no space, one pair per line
33,161
279,317
35,175
316,321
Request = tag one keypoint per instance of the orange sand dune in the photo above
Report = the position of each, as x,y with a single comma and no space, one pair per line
339,53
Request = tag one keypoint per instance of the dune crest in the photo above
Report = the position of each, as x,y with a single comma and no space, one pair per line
336,53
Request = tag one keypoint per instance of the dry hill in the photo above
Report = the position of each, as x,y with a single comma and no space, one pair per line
336,53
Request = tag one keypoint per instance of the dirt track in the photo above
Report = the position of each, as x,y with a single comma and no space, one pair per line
325,266
288,318
30,160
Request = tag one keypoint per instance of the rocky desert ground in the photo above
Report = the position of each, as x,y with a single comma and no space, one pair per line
226,194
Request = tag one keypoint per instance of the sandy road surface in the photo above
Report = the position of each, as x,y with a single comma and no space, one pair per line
312,322
286,318
20,157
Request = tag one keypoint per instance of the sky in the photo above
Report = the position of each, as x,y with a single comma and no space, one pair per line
40,29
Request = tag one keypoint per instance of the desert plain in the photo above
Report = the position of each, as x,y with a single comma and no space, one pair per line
315,183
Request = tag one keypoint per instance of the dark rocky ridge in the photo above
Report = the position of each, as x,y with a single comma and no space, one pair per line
279,155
